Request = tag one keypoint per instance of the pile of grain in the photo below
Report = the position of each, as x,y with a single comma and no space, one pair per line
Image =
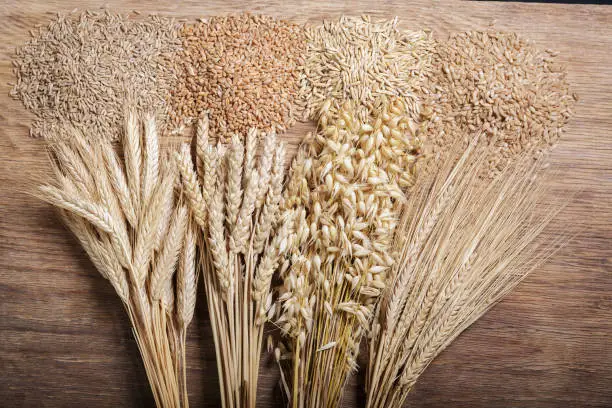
243,70
500,83
361,60
82,68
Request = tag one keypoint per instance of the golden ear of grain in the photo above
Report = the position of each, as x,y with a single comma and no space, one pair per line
71,164
191,188
105,263
265,165
132,151
165,264
240,238
187,279
210,161
94,213
168,177
249,154
150,168
201,147
97,203
269,211
269,263
234,182
118,181
217,243
443,187
108,199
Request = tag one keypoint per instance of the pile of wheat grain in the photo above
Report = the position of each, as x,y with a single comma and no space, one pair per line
500,84
82,69
357,59
344,195
243,70
135,229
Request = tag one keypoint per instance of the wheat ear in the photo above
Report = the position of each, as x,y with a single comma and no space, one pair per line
265,165
191,188
269,210
202,147
217,244
234,182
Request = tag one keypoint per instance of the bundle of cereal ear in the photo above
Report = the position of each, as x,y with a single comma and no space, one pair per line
344,195
234,198
463,246
136,231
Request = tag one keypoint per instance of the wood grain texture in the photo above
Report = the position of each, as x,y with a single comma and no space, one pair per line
65,340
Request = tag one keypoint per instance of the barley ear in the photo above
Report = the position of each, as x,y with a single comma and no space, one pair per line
165,264
132,150
94,213
119,183
150,168
187,279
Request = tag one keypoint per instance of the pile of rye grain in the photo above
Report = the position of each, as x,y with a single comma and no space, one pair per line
501,84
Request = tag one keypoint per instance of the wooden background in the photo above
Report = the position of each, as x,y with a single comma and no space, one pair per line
65,340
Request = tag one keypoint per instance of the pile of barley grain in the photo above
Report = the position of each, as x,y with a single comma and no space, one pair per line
501,84
243,70
361,60
83,68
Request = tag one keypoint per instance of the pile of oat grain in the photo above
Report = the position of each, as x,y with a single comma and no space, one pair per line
83,68
242,70
501,84
361,60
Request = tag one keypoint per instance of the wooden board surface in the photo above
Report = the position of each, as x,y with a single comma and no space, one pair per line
66,341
